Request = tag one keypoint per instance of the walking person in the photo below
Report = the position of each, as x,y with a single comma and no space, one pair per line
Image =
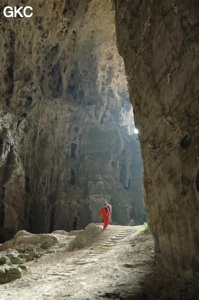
105,214
109,207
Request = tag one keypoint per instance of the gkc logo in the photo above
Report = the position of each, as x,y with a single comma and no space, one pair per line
13,12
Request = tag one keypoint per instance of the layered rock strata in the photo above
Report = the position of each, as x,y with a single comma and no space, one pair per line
159,43
66,135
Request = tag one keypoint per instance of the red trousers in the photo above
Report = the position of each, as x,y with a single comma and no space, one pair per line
106,222
104,213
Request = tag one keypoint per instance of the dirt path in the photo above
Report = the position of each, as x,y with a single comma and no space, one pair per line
118,265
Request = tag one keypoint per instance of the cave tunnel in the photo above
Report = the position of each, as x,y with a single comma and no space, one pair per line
68,139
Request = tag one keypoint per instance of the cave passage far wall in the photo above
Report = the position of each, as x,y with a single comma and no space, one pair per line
66,134
159,43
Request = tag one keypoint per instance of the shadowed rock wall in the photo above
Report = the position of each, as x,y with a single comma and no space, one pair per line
159,43
66,135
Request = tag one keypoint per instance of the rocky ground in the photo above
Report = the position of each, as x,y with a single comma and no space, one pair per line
116,263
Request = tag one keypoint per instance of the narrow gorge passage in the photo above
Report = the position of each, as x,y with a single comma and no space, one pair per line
69,77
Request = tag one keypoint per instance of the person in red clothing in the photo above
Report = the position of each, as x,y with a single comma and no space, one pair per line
110,210
105,214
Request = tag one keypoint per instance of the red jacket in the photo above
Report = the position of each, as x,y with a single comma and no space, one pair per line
104,213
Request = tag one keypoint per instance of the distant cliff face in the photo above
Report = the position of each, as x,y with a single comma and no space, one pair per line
159,43
66,127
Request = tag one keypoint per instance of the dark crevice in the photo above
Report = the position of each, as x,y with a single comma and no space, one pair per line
73,149
197,181
72,180
27,184
52,219
185,142
75,223
2,214
2,192
1,146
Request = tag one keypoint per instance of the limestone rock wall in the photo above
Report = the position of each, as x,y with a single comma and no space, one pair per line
159,43
66,135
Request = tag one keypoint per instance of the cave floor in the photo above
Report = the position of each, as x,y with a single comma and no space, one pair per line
120,264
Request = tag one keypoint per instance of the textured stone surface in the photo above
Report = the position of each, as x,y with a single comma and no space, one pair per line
28,246
11,267
159,43
86,237
66,139
24,237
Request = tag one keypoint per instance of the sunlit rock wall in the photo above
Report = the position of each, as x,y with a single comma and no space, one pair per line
159,43
66,135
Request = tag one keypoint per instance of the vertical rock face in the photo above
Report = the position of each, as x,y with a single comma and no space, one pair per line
159,43
66,135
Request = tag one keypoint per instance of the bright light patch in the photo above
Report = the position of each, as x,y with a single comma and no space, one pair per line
136,131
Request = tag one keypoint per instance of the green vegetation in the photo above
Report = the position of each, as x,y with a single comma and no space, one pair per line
145,227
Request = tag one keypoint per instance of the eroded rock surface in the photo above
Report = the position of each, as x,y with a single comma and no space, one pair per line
66,135
11,267
30,246
159,43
